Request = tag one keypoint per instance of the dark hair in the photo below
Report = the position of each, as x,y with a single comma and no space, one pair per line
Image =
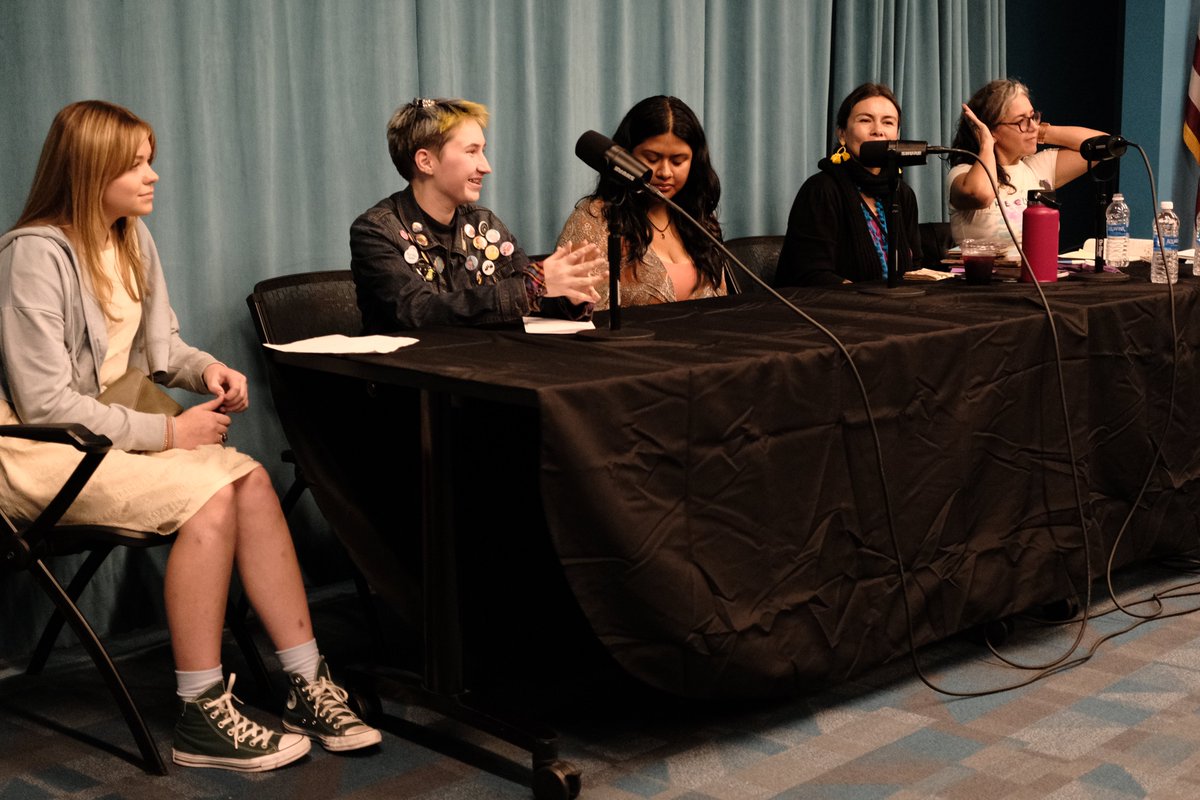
862,92
626,212
989,104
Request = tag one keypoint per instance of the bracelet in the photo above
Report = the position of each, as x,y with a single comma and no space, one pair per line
535,286
169,436
1043,129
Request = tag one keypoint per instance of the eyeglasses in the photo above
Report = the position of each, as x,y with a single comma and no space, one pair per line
1026,124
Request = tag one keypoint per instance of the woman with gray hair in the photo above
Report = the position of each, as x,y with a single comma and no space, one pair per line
1000,124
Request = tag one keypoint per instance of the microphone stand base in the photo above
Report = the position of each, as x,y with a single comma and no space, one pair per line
618,335
1103,277
892,291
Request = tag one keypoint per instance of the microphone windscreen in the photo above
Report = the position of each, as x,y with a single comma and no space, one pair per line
873,153
591,148
902,152
1103,147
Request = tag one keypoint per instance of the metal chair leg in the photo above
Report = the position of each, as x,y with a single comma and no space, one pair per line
299,485
153,762
45,645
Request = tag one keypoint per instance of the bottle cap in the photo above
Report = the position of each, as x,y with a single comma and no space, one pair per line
1166,205
1118,196
1043,197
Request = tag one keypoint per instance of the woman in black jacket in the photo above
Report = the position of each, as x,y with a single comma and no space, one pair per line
837,229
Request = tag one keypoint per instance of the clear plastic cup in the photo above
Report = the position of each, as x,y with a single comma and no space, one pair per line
979,259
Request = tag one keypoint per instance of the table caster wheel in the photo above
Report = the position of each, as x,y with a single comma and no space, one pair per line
558,780
1063,610
997,631
365,703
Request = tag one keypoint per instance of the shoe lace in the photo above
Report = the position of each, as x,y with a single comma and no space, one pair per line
244,729
329,702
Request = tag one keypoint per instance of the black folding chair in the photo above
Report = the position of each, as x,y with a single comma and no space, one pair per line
760,254
300,307
28,547
287,309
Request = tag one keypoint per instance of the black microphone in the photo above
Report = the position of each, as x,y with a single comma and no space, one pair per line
902,152
608,158
1103,148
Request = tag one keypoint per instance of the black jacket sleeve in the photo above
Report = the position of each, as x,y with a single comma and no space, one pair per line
809,253
827,242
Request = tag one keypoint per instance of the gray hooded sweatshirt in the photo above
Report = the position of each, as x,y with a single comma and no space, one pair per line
53,340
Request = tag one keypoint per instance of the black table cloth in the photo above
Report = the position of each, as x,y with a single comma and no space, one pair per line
713,497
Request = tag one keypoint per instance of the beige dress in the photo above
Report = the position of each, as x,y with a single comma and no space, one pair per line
653,283
142,491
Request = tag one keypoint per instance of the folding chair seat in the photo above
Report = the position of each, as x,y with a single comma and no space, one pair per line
29,548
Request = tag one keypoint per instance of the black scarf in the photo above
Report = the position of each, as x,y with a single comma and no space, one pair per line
863,180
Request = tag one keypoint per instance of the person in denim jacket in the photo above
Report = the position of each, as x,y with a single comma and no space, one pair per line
429,255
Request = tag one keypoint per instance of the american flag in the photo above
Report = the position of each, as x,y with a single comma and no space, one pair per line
1191,114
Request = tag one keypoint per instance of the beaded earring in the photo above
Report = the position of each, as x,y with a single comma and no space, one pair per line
840,155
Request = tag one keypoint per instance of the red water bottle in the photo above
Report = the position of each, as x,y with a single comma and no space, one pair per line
1039,236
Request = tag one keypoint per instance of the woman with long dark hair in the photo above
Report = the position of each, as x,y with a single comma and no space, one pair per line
666,258
83,310
837,228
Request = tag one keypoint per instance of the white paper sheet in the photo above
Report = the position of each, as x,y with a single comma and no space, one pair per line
561,327
338,343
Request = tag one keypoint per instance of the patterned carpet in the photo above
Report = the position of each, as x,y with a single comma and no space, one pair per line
1125,724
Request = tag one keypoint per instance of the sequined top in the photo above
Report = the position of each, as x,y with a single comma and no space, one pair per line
653,283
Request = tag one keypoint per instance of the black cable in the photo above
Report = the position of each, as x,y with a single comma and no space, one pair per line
1157,597
1048,667
1062,662
1171,402
1127,608
862,389
902,573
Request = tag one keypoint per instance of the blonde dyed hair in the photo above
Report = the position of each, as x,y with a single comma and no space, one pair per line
90,144
427,124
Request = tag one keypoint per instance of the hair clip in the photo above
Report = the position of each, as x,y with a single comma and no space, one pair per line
423,102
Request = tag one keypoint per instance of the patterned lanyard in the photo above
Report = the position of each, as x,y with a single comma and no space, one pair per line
877,225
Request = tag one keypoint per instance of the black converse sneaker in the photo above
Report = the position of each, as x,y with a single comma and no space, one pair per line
318,709
211,732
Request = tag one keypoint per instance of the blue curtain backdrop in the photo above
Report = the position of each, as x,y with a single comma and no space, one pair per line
270,119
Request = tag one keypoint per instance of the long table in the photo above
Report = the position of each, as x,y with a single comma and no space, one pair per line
712,494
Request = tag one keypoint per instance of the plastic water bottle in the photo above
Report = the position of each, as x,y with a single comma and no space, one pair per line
1196,248
1116,232
1164,266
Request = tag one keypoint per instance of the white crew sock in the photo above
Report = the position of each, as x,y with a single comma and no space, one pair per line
189,685
301,659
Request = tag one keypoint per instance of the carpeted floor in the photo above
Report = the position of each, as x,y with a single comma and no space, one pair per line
1125,724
